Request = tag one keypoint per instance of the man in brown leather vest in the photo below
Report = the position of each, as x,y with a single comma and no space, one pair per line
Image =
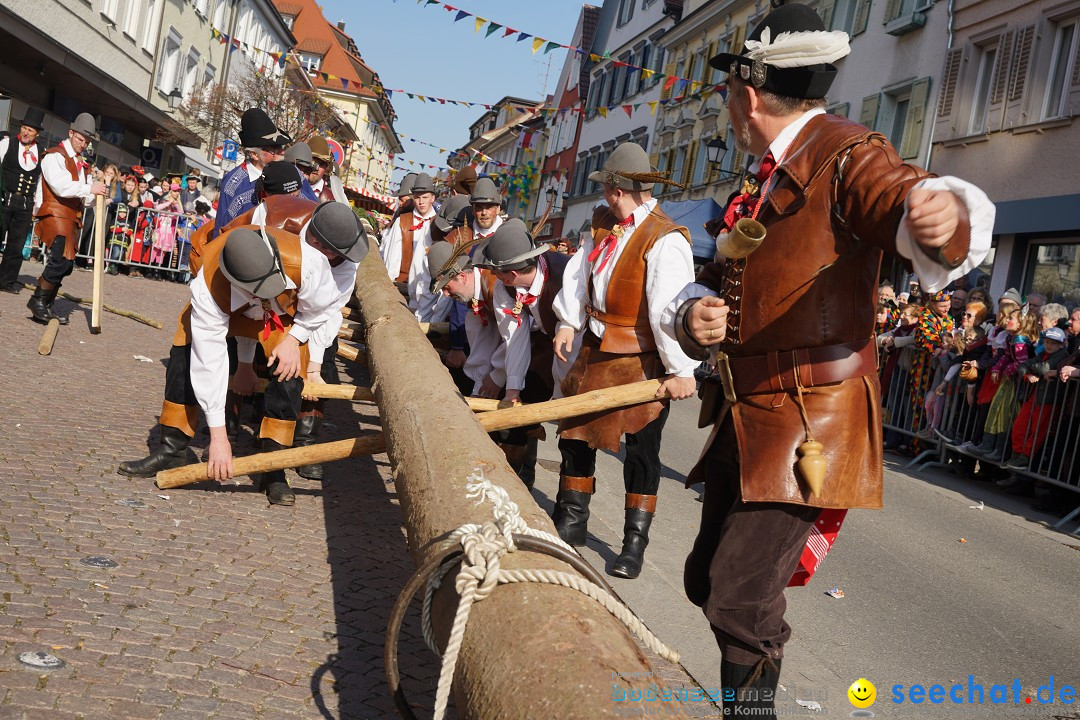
63,192
272,289
615,291
794,319
529,276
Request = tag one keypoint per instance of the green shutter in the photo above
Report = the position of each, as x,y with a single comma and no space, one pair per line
826,12
916,119
869,113
892,10
862,13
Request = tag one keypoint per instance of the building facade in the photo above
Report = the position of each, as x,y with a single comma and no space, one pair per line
1010,93
624,63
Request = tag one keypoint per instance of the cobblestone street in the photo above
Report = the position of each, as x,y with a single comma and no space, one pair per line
220,606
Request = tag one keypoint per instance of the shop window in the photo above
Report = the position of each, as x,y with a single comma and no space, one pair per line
1053,269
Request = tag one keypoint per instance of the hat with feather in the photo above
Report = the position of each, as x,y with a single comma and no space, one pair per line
447,258
628,168
789,53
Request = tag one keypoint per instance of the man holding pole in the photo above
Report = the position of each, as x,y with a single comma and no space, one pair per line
794,319
616,289
61,196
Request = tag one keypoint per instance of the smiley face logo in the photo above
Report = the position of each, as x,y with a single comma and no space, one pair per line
862,693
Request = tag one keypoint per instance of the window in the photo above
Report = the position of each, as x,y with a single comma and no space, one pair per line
131,20
987,59
727,163
626,11
697,66
310,61
109,10
643,60
657,64
679,167
618,85
290,20
900,114
169,62
219,14
633,75
598,162
847,15
1064,71
662,162
203,7
209,74
698,177
151,26
189,76
1052,269
598,84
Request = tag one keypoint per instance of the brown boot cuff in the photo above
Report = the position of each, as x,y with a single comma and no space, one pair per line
182,417
641,502
280,431
577,484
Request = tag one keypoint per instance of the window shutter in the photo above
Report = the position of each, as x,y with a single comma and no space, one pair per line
995,111
826,12
654,161
665,90
688,168
945,124
737,165
707,76
842,109
862,13
1074,86
892,10
739,38
916,119
1027,39
869,113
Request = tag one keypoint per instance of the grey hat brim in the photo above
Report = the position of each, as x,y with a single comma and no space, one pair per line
439,281
481,259
604,176
264,289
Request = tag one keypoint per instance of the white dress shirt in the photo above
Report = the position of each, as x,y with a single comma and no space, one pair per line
518,339
26,162
54,171
483,339
344,277
479,233
390,249
426,305
210,326
932,276
669,267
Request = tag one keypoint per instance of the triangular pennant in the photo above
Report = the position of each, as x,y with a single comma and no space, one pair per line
461,14
344,83
629,110
492,27
647,73
478,24
536,43
509,31
669,82
551,46
602,111
523,36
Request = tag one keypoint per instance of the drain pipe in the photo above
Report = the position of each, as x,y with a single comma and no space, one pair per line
950,14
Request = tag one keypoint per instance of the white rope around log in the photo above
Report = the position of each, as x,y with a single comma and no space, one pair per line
481,571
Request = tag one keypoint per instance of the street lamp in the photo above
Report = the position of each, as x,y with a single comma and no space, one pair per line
715,150
176,98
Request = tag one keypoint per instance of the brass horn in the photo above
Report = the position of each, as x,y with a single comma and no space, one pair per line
743,239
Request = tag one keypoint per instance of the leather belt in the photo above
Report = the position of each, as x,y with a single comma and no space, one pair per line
781,371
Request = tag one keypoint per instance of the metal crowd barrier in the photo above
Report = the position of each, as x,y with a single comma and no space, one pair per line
142,239
1051,429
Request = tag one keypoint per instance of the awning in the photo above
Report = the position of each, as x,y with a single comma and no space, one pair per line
387,200
694,214
1042,214
196,159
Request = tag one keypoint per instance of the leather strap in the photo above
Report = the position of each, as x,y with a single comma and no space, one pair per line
577,484
641,502
775,372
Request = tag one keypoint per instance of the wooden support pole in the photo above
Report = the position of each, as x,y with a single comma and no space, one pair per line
99,265
49,337
352,354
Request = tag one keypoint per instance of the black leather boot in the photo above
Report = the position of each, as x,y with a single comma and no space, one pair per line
571,515
234,405
50,298
39,306
750,690
273,483
527,473
639,514
171,453
307,433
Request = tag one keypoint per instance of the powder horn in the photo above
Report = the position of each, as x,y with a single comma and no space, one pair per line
743,239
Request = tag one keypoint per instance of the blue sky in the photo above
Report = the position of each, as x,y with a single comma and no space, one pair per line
420,49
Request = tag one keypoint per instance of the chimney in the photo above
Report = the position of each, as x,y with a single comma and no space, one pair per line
341,25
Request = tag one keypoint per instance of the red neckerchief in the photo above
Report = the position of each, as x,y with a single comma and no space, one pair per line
746,203
608,244
523,299
478,307
419,225
271,321
28,152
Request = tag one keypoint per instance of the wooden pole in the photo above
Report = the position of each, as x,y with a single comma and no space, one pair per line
99,265
49,337
353,354
277,460
108,308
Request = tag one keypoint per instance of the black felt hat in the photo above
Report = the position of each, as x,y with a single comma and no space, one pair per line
789,53
257,130
279,178
34,118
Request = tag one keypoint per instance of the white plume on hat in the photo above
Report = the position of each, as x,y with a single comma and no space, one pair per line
798,49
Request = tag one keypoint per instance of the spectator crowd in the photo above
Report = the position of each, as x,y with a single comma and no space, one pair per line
987,383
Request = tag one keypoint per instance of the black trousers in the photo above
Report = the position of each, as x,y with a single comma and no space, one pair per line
57,267
742,559
641,468
328,371
18,217
281,401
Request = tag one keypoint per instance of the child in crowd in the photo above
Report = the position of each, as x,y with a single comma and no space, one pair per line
1032,425
1021,330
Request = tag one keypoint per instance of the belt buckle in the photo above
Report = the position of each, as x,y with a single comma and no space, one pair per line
723,369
